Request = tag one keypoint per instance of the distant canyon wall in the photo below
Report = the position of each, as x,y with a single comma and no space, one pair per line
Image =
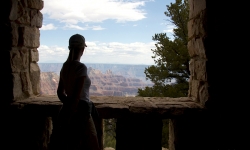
126,70
102,83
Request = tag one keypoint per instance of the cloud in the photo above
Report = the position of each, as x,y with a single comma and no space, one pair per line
97,52
48,27
97,28
86,27
169,30
71,26
72,12
49,53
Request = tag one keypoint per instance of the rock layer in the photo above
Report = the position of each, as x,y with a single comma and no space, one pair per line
102,84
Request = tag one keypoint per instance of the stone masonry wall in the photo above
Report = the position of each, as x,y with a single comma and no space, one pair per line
198,85
25,20
184,131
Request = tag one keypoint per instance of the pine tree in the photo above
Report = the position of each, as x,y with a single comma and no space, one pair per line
170,73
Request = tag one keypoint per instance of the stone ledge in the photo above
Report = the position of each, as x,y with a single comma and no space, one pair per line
116,107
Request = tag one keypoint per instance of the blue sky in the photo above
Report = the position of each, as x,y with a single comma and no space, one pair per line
116,31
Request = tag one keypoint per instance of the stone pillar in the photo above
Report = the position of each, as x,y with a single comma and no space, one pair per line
20,74
189,132
22,22
197,33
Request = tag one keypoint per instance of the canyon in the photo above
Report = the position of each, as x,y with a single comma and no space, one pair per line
117,80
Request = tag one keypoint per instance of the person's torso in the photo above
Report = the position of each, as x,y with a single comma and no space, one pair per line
70,72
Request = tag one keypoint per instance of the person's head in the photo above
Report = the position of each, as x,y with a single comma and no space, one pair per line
76,45
77,41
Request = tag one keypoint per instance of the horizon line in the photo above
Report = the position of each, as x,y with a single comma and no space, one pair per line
92,63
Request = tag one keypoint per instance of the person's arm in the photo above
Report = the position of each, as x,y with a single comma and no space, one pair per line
61,92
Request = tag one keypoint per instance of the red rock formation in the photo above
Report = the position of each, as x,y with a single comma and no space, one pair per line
102,84
49,83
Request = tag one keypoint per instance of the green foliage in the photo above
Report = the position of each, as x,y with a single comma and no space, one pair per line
109,133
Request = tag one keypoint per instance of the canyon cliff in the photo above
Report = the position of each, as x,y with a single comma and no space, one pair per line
102,84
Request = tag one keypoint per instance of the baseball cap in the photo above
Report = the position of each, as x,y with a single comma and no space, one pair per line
77,41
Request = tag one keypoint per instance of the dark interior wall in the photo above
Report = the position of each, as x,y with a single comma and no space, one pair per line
226,65
6,43
224,124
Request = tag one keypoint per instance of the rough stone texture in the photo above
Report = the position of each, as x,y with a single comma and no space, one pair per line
116,106
26,84
14,34
35,78
196,48
30,37
24,3
25,20
171,135
203,93
17,86
34,55
200,70
36,4
196,6
24,53
36,18
23,15
16,60
13,12
194,88
197,26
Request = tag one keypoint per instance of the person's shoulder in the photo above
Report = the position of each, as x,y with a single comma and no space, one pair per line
81,65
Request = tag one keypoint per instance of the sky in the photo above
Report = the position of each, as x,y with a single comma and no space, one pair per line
116,31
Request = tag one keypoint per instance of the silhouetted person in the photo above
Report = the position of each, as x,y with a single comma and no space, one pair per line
75,128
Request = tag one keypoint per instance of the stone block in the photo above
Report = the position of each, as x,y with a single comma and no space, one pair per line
190,27
26,84
191,8
34,55
202,24
196,6
200,70
191,68
19,59
13,11
195,89
203,93
17,86
24,3
23,15
36,4
30,37
196,48
36,18
197,26
24,53
15,60
14,33
190,86
35,78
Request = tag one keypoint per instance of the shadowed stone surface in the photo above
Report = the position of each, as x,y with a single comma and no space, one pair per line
116,107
